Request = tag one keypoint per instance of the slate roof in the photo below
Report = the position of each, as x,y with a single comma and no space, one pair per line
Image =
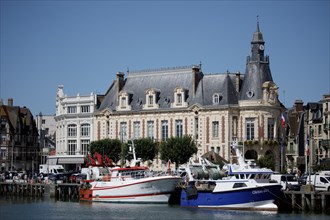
166,81
222,84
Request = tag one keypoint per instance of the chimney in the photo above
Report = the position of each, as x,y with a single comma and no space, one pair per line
120,81
195,78
10,102
298,105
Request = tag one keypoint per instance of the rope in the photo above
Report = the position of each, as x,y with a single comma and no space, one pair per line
296,204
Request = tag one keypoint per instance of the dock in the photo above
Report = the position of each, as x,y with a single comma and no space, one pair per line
304,200
60,191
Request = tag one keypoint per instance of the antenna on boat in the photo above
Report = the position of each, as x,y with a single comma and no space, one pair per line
132,148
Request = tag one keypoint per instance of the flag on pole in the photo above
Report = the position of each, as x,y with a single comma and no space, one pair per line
307,148
283,120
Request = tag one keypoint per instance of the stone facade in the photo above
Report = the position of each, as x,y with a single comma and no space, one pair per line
215,109
74,124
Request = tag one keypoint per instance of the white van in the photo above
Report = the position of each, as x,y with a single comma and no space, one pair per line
320,181
288,181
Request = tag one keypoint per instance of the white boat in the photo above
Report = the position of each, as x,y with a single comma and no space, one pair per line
133,184
239,186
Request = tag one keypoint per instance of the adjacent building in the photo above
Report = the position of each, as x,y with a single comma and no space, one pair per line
47,135
74,128
19,138
308,134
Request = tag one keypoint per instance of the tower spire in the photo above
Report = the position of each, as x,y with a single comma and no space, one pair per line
257,36
258,29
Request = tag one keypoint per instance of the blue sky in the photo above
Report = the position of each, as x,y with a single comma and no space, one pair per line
82,44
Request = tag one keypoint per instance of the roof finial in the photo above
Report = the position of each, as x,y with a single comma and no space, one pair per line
258,30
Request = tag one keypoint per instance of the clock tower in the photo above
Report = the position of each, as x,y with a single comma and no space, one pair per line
257,70
257,45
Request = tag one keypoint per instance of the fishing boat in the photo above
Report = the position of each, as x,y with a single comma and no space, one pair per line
240,186
132,184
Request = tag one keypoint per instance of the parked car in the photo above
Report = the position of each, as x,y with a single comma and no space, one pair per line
303,179
288,181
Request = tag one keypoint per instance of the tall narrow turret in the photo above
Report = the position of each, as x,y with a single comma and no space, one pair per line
257,69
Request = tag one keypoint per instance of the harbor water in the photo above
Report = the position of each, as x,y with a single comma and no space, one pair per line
43,209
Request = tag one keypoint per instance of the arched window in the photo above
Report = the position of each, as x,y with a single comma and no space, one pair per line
216,98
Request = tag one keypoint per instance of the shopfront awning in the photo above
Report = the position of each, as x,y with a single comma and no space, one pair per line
71,160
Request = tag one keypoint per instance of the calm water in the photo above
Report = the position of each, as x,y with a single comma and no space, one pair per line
27,208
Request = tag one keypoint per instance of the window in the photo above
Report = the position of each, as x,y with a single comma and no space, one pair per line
196,127
270,129
215,129
123,131
123,102
72,109
136,131
179,98
150,129
84,109
72,130
85,130
216,99
249,128
43,121
151,100
164,130
72,145
84,146
108,129
239,185
179,128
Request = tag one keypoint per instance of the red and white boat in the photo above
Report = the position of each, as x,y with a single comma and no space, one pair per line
134,184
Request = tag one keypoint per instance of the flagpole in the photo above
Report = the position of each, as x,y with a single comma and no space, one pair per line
306,147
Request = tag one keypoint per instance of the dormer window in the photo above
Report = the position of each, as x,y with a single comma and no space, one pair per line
179,98
151,99
123,101
216,98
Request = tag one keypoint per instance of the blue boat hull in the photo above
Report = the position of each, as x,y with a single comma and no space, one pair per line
245,198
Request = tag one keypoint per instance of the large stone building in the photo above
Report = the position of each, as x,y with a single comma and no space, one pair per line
19,139
214,108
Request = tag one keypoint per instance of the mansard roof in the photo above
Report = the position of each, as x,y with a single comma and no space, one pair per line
165,81
217,84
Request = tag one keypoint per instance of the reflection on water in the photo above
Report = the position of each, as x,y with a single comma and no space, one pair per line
30,208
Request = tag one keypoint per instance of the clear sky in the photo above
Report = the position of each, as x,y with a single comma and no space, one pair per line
82,44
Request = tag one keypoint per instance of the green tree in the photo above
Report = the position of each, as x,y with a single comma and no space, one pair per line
110,147
178,149
145,148
267,161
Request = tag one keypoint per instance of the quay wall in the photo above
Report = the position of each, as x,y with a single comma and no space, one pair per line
303,200
61,191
